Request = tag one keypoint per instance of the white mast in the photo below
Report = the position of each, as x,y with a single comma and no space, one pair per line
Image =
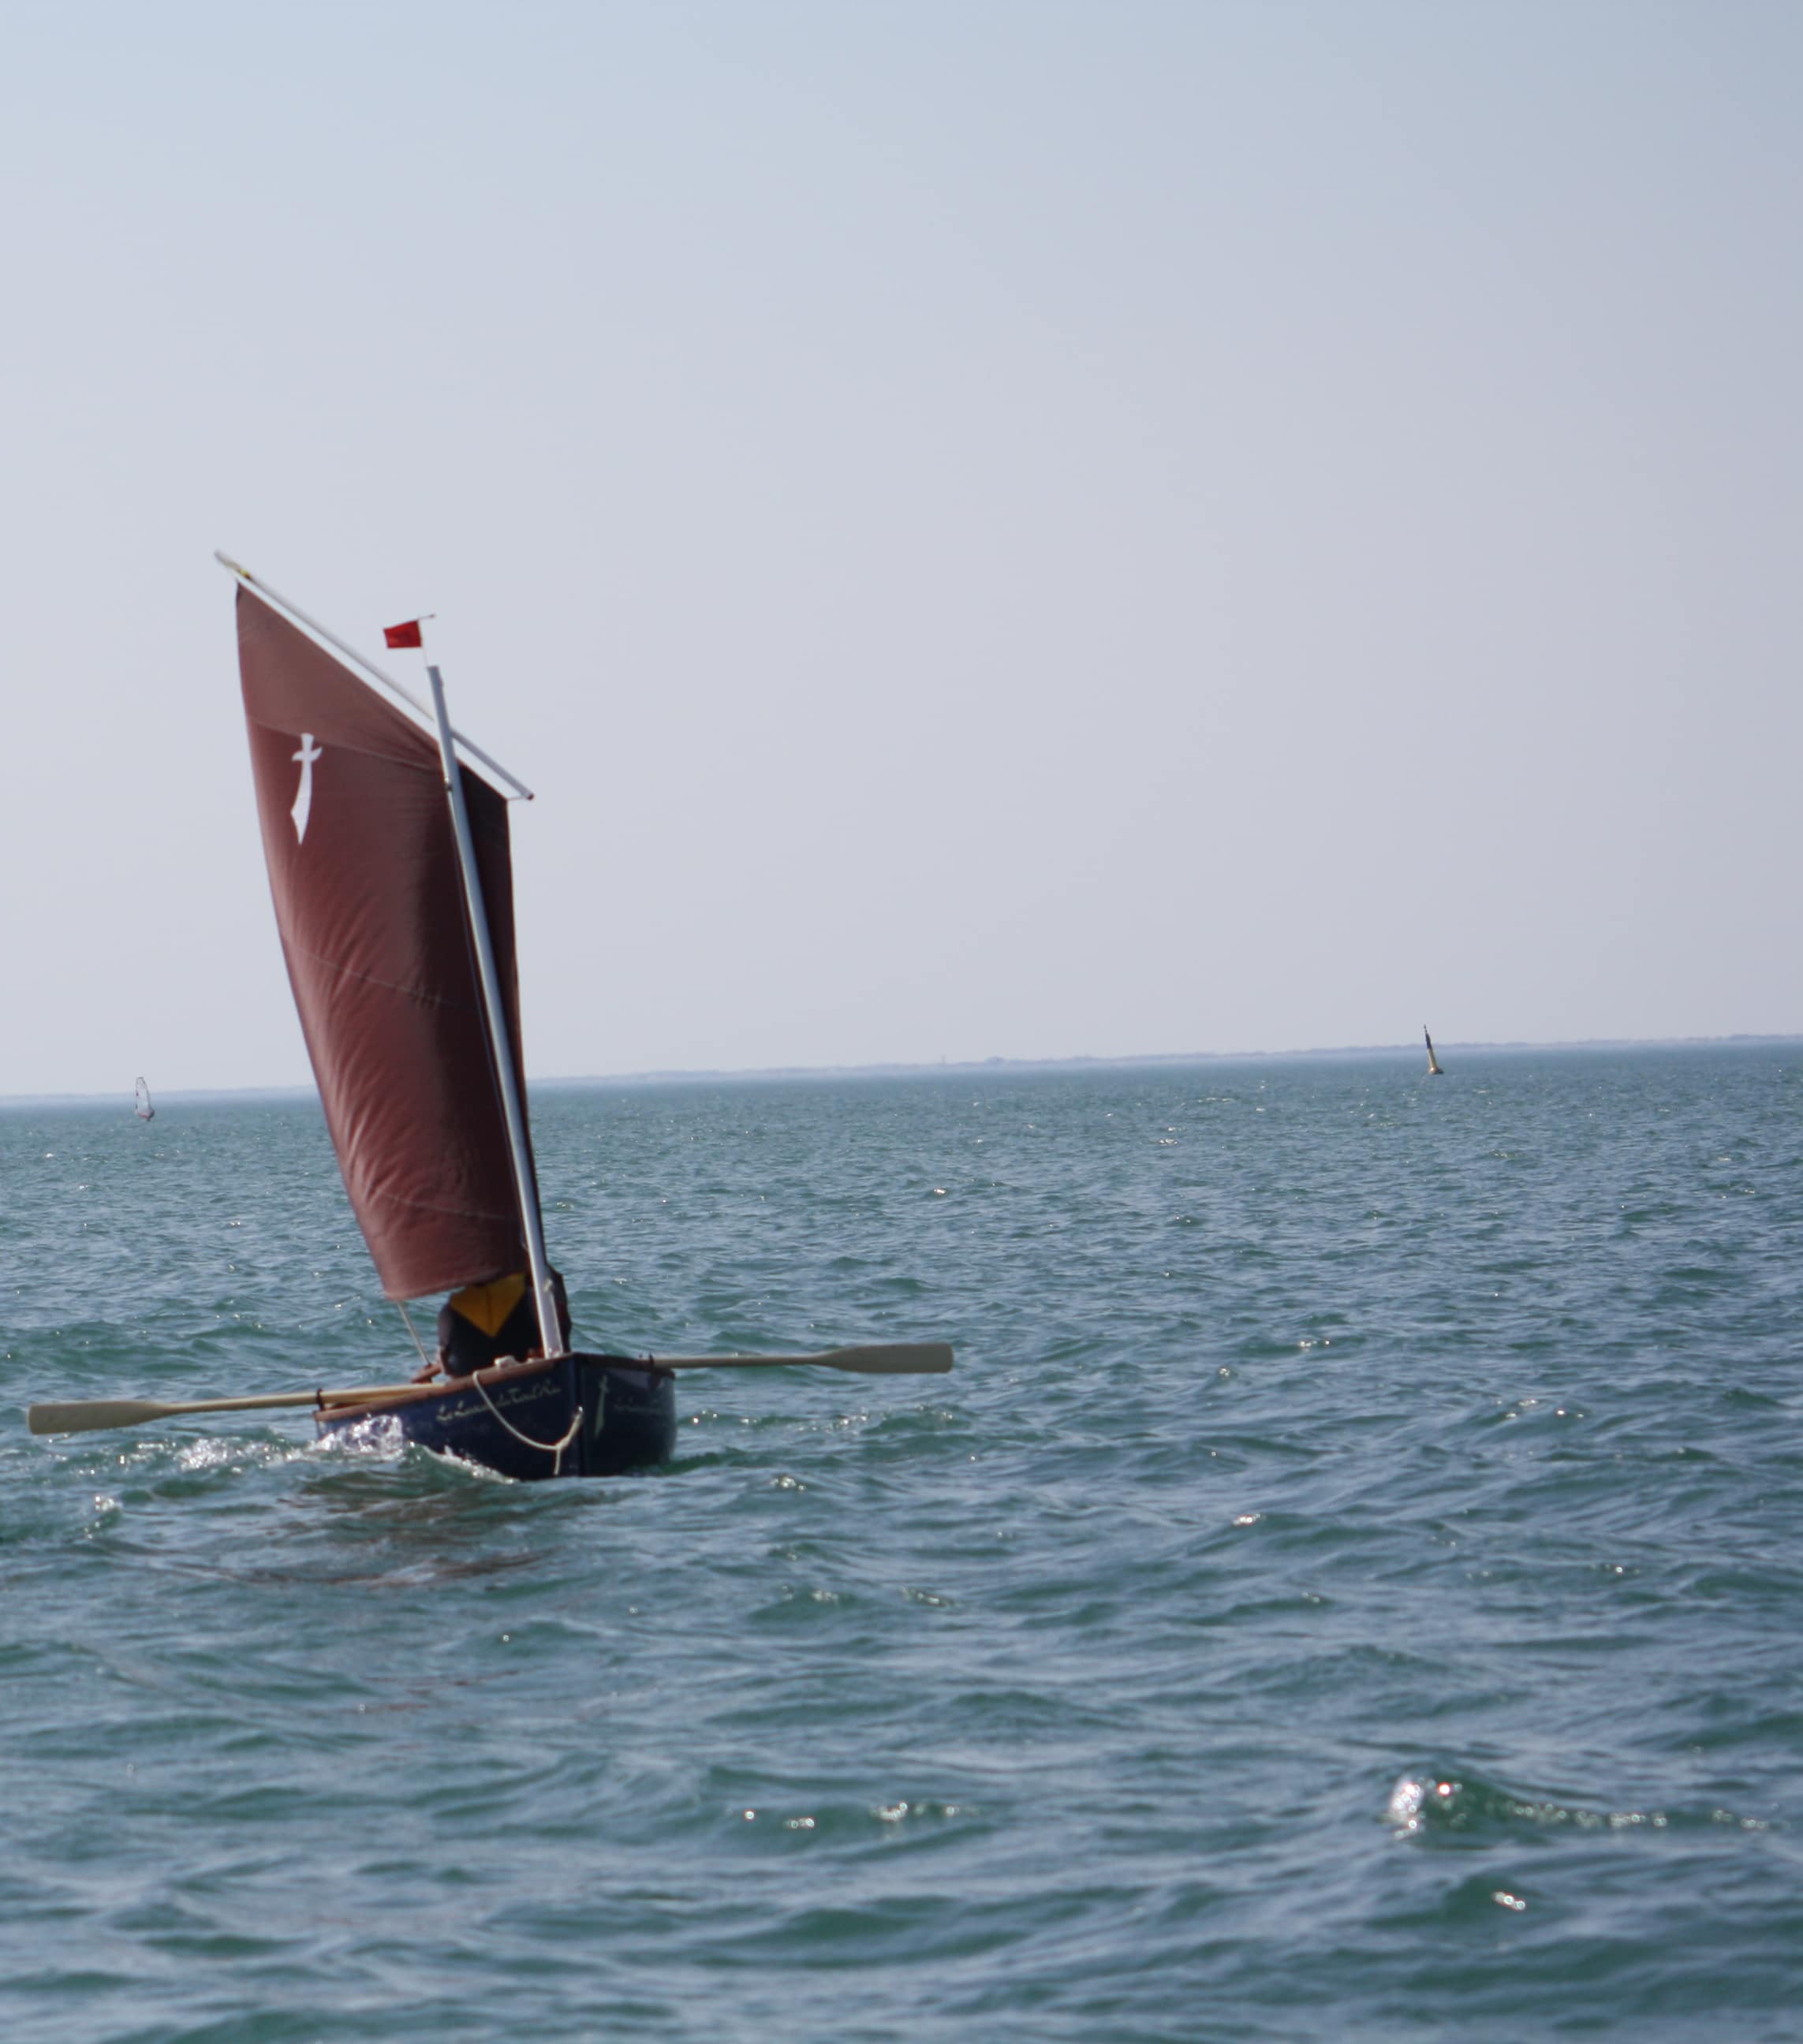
551,1328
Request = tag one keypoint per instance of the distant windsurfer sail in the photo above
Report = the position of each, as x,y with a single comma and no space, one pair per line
1433,1063
144,1110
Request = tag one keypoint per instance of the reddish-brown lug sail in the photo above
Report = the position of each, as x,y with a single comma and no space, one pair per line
363,870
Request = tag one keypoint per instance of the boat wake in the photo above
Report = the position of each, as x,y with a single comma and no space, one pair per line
1435,1802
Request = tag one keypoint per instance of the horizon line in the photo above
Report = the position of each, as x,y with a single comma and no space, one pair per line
968,1066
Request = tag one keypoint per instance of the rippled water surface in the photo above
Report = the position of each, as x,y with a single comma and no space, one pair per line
1351,1587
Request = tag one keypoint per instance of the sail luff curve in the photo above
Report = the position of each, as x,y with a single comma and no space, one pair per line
362,869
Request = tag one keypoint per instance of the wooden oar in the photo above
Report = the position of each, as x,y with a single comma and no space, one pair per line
889,1359
87,1415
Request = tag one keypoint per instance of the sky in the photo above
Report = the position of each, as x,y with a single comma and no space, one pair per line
993,528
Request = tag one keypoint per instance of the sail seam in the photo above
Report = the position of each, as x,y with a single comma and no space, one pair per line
388,985
391,757
436,1206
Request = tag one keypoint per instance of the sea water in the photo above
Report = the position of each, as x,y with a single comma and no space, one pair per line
1351,1587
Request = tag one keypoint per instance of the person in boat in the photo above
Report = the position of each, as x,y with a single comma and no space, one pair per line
485,1322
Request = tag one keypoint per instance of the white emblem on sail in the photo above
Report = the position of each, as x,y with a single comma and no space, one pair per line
303,800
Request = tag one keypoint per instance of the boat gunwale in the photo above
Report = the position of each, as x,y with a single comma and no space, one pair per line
357,1407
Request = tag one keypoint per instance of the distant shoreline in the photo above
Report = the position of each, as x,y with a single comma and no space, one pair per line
964,1068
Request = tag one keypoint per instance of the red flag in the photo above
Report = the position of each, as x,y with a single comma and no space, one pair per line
403,634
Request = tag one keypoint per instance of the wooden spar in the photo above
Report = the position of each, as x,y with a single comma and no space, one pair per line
884,1359
369,667
85,1415
513,1108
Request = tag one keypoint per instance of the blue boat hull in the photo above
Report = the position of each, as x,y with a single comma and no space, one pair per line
576,1415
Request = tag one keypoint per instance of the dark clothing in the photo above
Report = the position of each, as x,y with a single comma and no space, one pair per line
463,1346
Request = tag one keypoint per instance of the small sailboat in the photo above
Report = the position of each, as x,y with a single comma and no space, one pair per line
143,1109
390,866
1433,1063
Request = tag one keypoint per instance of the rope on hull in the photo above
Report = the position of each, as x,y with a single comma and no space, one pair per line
554,1449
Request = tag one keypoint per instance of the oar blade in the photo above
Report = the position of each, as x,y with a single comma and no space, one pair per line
893,1358
91,1415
